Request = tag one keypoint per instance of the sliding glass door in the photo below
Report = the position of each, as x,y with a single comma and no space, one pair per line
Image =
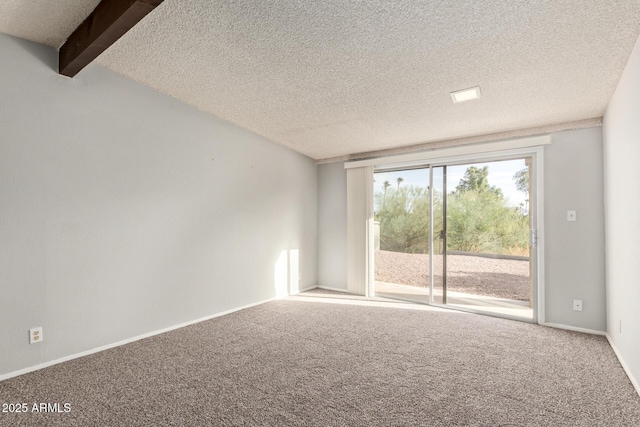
457,235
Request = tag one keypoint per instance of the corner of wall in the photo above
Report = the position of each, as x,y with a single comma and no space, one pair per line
622,217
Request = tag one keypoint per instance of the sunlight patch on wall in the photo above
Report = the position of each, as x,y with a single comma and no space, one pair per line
286,273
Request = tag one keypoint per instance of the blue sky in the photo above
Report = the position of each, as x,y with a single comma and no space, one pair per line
500,175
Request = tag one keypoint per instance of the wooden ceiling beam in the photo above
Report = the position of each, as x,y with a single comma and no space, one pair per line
109,21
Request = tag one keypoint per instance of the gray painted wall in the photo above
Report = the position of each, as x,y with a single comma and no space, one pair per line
574,250
622,196
332,226
124,211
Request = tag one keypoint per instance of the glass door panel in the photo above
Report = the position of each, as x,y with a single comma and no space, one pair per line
487,257
401,234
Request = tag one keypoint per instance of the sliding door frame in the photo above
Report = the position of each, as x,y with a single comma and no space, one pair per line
532,148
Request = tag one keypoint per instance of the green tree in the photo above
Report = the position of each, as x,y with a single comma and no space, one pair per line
386,185
404,219
477,179
399,181
521,179
481,222
478,218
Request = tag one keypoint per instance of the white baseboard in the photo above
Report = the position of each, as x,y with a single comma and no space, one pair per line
623,364
573,328
308,288
329,288
126,341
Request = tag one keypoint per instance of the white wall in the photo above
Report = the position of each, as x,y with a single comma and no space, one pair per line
332,226
622,198
124,211
574,250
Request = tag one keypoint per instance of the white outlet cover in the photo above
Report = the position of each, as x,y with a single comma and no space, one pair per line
577,304
35,335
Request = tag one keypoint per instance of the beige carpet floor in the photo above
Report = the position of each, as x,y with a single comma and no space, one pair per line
326,359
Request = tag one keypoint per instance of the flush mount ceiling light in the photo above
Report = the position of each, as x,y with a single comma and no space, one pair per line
465,94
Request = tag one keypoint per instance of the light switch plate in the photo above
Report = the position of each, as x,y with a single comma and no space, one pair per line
571,215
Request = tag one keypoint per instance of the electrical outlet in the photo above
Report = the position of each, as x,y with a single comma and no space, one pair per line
35,335
577,304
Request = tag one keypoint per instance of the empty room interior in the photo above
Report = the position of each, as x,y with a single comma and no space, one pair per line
320,213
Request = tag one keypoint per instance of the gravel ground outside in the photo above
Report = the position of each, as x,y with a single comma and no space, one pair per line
501,278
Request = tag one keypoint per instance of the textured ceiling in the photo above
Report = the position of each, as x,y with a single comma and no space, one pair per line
43,21
338,77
